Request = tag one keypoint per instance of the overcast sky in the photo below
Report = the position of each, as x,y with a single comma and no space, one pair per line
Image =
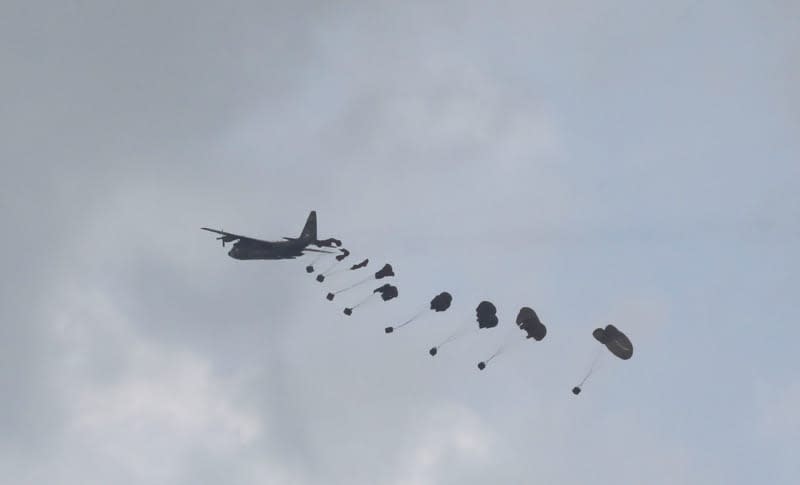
602,162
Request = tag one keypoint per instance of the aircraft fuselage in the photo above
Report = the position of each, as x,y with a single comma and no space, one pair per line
267,250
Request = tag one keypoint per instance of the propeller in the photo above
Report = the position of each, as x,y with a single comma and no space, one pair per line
227,238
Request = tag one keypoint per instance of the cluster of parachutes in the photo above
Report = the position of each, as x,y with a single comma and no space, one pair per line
485,313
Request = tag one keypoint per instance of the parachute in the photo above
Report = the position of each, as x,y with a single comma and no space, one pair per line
387,292
615,341
329,243
528,321
485,315
384,272
339,257
439,303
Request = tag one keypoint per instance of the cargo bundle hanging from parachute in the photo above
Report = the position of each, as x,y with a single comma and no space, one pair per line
439,303
528,321
485,316
615,341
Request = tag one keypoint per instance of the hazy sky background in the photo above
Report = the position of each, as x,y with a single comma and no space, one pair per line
609,161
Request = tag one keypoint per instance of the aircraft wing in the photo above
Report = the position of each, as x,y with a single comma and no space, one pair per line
229,237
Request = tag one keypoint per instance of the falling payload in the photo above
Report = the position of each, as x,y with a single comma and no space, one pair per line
485,315
439,303
387,292
615,341
528,321
384,272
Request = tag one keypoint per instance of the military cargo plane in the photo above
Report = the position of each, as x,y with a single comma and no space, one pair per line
290,248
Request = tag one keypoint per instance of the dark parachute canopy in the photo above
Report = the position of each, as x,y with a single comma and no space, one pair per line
345,253
387,292
615,341
486,315
329,243
441,302
384,272
359,265
528,321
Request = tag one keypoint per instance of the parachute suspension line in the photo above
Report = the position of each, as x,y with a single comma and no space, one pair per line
410,320
498,352
340,270
593,366
418,314
310,265
354,285
327,272
365,300
456,335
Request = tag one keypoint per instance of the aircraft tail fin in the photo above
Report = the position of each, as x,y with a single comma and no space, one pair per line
310,229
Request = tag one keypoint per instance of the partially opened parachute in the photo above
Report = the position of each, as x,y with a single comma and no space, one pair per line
343,253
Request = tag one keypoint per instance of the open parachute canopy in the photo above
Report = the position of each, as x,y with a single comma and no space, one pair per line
441,302
615,341
528,321
387,292
486,315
